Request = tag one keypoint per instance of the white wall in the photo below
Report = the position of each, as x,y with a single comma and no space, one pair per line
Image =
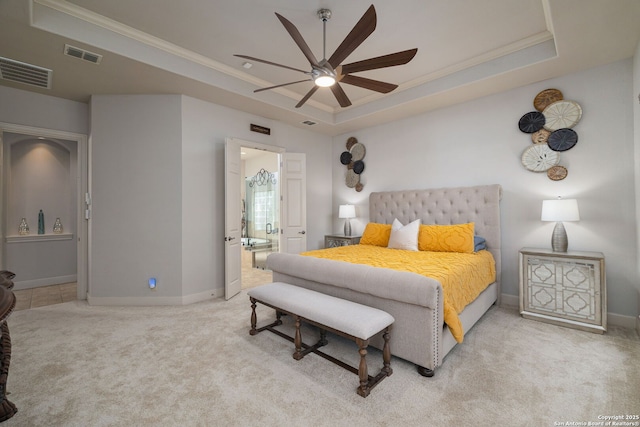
40,175
41,111
267,161
19,107
157,174
136,176
479,142
205,127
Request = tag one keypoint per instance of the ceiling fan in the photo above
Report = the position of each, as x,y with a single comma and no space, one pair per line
331,72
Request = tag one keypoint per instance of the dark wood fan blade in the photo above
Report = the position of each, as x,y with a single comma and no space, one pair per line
251,58
376,85
297,37
283,84
342,98
391,60
307,96
358,34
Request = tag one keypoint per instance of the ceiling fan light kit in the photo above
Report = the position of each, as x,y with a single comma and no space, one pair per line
330,72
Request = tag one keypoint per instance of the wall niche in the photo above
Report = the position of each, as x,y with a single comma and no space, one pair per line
40,174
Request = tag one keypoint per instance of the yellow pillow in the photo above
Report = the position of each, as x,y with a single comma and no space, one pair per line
376,234
446,238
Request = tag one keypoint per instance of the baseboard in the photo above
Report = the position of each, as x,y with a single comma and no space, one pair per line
614,319
629,322
510,301
153,300
47,281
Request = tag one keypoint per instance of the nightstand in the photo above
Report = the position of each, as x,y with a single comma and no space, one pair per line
564,288
335,240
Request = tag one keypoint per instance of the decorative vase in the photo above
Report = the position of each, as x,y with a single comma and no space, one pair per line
57,226
40,222
23,228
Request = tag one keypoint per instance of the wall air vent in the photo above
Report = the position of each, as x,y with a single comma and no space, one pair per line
82,54
308,123
22,72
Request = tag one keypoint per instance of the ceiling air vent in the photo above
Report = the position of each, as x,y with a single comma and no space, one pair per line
82,54
22,72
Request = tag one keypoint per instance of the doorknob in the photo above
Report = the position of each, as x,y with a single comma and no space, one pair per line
228,239
302,232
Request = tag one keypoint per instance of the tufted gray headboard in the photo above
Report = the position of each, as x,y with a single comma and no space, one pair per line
480,204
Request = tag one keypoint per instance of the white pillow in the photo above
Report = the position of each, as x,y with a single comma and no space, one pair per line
404,236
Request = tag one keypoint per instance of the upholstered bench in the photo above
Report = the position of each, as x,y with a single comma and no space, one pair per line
345,318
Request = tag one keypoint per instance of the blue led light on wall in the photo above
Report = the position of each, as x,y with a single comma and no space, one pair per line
152,283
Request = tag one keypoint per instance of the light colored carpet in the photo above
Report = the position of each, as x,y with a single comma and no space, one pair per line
197,365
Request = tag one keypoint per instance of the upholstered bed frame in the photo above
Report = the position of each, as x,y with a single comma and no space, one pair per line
419,332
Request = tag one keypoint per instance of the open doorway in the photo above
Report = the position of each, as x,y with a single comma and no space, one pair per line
44,232
260,208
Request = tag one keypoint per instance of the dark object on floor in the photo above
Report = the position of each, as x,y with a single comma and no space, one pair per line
7,304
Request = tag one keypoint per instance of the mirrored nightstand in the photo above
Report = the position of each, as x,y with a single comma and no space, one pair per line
564,288
335,240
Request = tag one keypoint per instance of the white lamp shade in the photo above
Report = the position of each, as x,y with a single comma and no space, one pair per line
560,210
347,211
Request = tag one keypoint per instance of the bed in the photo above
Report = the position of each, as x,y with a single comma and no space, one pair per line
420,334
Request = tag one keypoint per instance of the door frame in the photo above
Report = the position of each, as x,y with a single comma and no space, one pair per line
256,146
82,190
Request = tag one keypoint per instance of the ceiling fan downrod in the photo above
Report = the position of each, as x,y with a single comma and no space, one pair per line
324,15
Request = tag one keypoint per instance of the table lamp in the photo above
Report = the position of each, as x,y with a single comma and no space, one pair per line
560,210
347,212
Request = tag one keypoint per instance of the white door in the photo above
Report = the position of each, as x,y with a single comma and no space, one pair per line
232,220
293,237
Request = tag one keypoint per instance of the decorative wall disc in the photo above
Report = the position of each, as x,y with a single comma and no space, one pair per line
540,137
357,152
358,166
352,159
345,158
562,114
557,173
545,98
539,158
352,178
531,122
562,139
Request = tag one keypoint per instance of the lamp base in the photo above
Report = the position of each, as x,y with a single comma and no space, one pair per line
559,241
347,227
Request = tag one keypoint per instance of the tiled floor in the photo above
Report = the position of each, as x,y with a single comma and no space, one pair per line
253,276
46,295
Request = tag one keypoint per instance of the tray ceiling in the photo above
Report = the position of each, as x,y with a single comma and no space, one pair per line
466,49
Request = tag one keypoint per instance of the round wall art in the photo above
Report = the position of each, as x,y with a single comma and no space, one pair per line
550,127
539,158
353,160
562,139
531,122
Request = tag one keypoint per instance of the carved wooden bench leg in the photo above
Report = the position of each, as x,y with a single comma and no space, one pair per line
386,354
364,389
254,318
323,338
298,341
278,294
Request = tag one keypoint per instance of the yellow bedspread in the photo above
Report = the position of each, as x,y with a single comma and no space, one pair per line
463,276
